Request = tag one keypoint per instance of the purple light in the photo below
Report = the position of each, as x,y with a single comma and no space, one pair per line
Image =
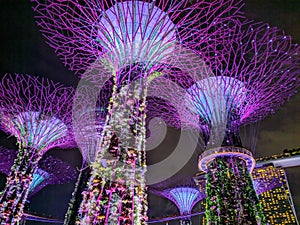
38,177
215,97
252,78
88,119
83,34
50,170
135,31
54,171
184,197
36,129
38,113
7,160
85,31
208,156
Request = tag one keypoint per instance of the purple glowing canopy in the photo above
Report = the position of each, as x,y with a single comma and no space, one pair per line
36,111
86,31
253,80
181,191
50,170
184,197
259,74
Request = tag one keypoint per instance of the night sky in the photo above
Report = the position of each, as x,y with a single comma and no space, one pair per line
23,50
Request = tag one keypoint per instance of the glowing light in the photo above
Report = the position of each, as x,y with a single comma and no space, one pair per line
39,130
38,177
38,113
185,198
215,97
208,156
137,31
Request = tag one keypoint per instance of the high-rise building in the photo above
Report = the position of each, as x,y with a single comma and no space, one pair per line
277,204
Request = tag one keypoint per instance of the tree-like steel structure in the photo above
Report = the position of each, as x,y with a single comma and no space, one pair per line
51,170
128,39
37,112
255,78
184,196
261,72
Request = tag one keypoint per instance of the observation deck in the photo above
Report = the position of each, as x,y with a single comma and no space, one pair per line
208,156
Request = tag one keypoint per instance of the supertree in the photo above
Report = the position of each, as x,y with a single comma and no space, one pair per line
37,112
243,87
261,72
51,170
129,39
185,196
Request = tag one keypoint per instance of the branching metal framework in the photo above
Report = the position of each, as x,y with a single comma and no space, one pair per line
129,39
185,197
253,80
37,112
261,72
93,30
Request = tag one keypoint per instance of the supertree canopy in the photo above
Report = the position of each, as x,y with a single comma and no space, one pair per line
50,170
130,31
37,112
183,193
256,78
129,39
184,198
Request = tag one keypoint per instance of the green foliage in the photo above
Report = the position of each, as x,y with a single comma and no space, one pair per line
231,198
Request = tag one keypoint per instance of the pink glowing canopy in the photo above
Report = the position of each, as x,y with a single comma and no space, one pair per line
259,73
36,111
138,31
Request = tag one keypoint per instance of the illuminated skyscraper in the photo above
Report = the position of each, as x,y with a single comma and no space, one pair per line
277,203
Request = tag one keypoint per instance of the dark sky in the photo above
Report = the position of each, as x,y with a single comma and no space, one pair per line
23,50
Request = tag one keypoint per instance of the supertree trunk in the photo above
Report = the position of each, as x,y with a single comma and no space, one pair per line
116,189
16,191
231,197
76,199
